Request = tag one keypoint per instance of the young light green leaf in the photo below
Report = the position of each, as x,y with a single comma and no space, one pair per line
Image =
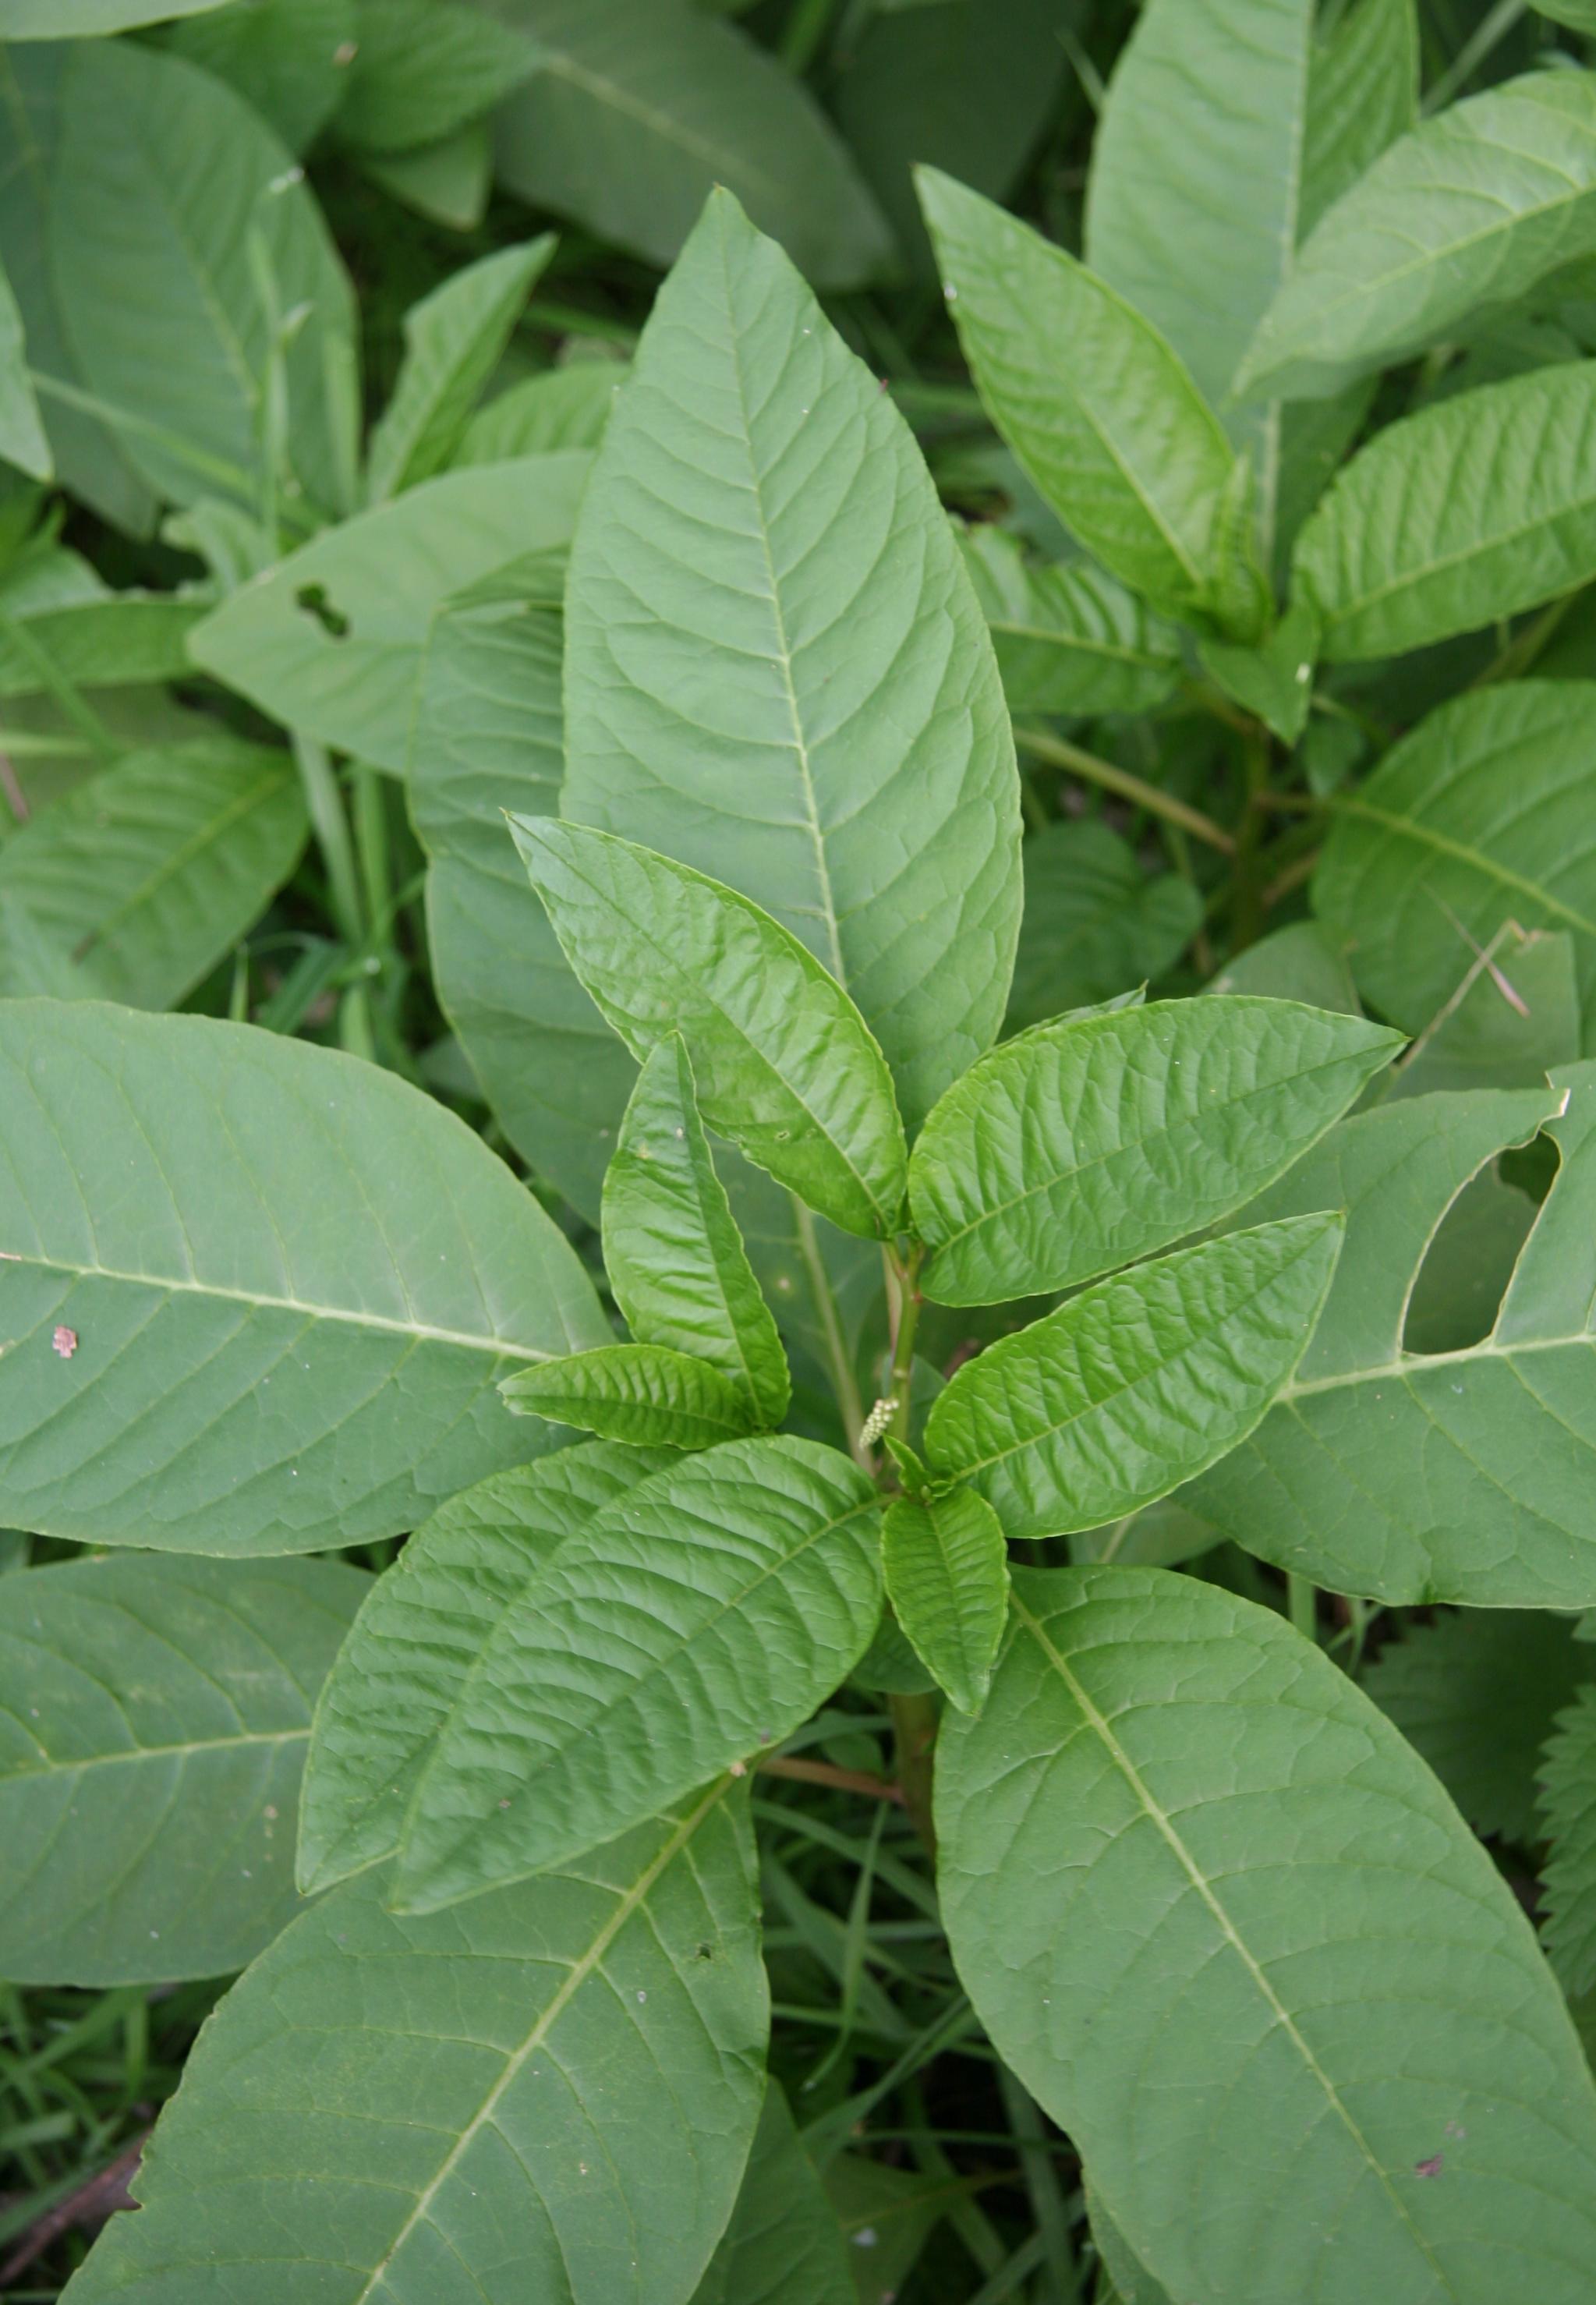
331,640
22,441
640,108
1095,923
644,1394
699,1617
946,1567
1096,405
1363,94
1089,1143
146,875
258,1294
421,1627
1069,639
154,1716
1485,812
675,1260
1135,1384
1160,1754
563,408
549,2094
784,1064
170,198
1475,1691
488,740
1191,207
1274,676
288,58
1568,1819
454,339
1466,1476
776,668
423,68
783,2245
1467,212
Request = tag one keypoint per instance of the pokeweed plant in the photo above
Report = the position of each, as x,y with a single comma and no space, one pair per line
943,1350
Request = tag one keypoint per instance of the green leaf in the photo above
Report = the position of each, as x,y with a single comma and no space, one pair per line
1464,513
1579,15
1465,213
259,1295
454,339
96,639
447,182
549,2094
1468,1265
1094,922
1135,1384
1183,1858
675,1260
640,108
1069,639
1196,182
81,20
563,408
148,873
423,69
1466,1476
486,740
420,1629
785,1066
154,1716
23,440
1474,1692
331,643
1483,815
1567,1815
1098,409
700,1617
1363,94
776,668
288,58
1274,677
783,2245
947,1568
644,1394
1129,2280
1507,1027
1299,963
171,199
1089,1143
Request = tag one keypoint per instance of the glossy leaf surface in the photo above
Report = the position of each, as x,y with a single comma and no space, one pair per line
947,1569
644,1394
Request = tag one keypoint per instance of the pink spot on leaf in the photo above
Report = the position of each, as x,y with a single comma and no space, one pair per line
65,1342
1431,2168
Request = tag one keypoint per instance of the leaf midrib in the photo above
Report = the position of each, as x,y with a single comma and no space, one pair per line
1425,836
1163,1824
57,1766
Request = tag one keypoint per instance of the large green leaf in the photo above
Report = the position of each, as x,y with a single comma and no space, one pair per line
171,197
1363,94
639,108
1485,813
1098,408
23,440
1467,212
288,58
947,1569
258,1294
1568,1821
331,642
78,19
785,1065
1183,1858
783,2245
1091,1142
675,1260
700,1616
644,1394
75,632
1095,923
448,182
423,69
146,875
776,668
1135,1384
1069,639
1475,1691
1196,184
420,1629
488,740
548,2094
1466,1476
1468,512
453,340
154,1715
